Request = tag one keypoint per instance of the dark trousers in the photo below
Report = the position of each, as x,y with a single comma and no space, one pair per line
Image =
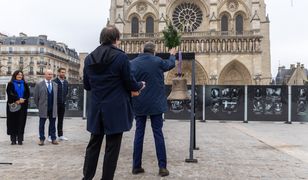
18,133
52,127
19,137
61,111
112,150
157,124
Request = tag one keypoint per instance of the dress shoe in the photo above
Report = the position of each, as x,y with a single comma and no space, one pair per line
54,142
41,143
19,142
163,172
13,142
137,170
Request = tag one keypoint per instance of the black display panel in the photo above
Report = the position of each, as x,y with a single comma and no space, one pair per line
267,103
299,108
224,103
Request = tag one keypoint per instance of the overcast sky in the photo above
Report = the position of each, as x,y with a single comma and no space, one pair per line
77,23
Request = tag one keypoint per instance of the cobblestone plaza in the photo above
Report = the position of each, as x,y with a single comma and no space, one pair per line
233,150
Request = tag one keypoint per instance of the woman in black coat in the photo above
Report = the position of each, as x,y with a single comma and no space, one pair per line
18,92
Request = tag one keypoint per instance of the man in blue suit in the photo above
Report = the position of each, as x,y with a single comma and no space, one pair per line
107,75
151,102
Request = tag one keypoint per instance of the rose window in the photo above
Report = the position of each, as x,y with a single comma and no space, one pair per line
187,17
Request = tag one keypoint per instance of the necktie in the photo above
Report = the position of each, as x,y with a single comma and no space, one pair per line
49,87
62,91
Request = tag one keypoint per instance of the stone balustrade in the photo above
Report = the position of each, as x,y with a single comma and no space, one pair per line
199,42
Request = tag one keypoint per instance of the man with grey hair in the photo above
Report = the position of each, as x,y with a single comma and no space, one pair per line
149,47
151,102
45,98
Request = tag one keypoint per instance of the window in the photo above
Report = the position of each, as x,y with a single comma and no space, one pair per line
9,70
224,23
9,60
41,50
21,60
149,25
239,24
2,92
10,50
187,17
31,70
42,42
135,26
42,61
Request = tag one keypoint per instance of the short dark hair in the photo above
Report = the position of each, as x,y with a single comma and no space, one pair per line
109,35
60,69
149,47
15,74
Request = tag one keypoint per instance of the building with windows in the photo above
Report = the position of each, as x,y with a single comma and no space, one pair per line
229,37
296,75
34,55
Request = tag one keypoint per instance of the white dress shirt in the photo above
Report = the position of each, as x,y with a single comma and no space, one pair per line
46,82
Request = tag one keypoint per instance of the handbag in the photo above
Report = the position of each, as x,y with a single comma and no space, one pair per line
14,107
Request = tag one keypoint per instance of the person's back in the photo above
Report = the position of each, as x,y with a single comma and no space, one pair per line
151,102
110,89
150,68
107,75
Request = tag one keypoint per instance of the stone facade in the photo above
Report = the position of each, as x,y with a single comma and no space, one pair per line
34,55
230,37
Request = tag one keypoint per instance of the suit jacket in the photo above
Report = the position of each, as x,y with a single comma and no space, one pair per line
108,77
62,92
41,98
149,68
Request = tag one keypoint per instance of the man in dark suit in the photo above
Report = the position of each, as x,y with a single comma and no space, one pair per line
62,93
151,102
108,77
45,98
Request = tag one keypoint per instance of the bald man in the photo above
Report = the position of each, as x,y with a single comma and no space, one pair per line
45,97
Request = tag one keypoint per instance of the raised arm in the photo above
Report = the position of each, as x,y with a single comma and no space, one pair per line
169,64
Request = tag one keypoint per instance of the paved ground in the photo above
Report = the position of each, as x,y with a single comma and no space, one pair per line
227,151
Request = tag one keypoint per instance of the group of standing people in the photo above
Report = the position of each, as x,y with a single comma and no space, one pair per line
120,91
49,96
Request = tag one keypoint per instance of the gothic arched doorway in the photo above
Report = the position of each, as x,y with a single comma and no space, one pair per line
201,75
234,73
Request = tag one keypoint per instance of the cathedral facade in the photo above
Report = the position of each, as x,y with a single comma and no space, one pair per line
230,38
